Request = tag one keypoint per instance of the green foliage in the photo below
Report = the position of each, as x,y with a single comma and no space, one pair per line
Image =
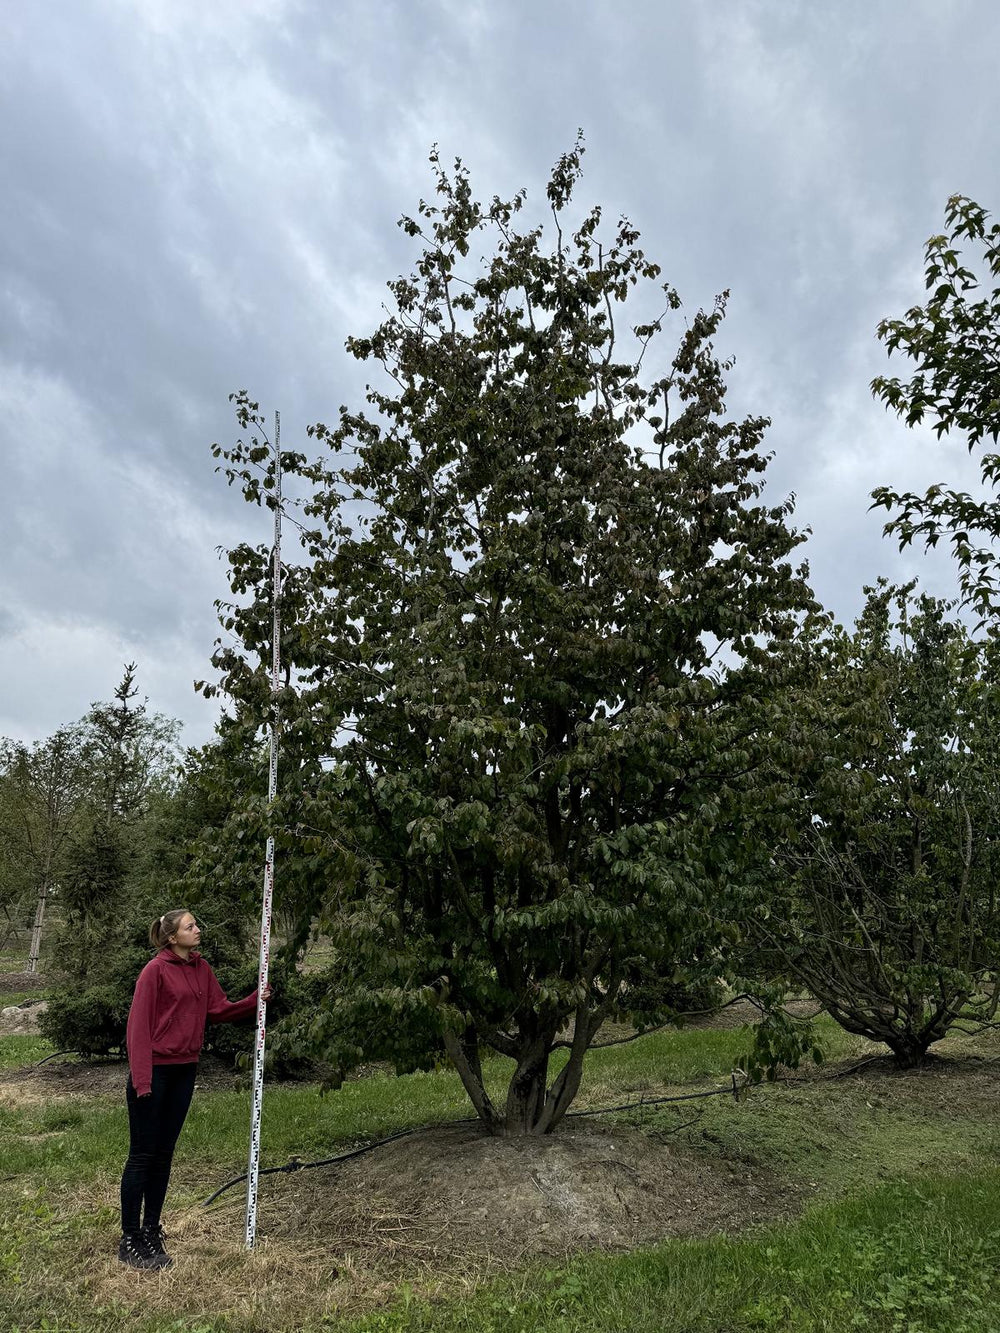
954,340
409,1038
877,893
92,895
511,749
189,861
130,753
89,1016
691,990
72,813
127,759
41,793
91,1022
125,774
780,1041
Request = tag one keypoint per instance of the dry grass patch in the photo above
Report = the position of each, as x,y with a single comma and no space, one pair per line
281,1284
18,1095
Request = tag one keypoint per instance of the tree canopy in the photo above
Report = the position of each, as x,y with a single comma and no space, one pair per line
954,341
877,893
539,600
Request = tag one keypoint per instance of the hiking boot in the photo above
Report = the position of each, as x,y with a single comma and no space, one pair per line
135,1250
154,1238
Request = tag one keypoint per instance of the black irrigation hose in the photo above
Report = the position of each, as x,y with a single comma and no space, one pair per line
732,1091
54,1056
295,1164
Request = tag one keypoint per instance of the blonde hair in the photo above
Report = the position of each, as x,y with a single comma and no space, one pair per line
165,926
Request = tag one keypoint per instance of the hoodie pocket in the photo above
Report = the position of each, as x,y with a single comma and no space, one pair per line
160,1042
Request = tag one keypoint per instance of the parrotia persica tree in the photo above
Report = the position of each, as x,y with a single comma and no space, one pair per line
884,905
954,341
540,599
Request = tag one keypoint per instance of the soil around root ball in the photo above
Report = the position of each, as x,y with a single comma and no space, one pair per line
458,1191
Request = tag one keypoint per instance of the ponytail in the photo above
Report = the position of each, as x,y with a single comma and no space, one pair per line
165,926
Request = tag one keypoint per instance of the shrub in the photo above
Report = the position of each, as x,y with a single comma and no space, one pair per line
91,1022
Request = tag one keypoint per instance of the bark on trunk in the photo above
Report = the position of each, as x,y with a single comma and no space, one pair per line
526,1092
464,1054
531,1107
908,1052
566,1086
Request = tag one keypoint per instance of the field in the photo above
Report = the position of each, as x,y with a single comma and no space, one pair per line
847,1196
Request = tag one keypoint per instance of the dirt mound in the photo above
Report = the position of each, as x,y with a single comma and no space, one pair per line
456,1190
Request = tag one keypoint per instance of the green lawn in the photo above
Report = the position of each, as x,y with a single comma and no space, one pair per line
16,1052
911,1255
898,1228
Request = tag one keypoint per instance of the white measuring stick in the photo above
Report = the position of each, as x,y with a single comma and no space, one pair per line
253,1167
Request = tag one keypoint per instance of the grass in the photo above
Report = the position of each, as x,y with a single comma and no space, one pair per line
299,1121
900,1230
908,1256
18,1051
14,958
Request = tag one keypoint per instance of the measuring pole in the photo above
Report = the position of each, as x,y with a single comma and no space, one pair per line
253,1166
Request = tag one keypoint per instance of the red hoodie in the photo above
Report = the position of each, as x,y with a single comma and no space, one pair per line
174,997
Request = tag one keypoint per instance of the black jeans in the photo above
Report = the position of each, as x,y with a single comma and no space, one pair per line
154,1122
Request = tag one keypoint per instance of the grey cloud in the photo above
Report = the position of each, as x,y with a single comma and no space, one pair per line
203,197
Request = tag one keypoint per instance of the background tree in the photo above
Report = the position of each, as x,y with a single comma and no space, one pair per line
128,767
954,339
878,892
131,753
512,731
41,788
129,756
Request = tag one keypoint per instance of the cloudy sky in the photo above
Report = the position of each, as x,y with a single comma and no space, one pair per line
201,196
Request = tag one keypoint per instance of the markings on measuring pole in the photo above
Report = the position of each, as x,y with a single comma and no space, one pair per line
256,1113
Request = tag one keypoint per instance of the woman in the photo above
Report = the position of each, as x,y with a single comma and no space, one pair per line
177,992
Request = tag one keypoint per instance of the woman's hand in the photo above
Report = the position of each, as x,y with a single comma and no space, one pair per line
267,992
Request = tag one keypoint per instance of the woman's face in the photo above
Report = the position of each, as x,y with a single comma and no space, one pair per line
187,934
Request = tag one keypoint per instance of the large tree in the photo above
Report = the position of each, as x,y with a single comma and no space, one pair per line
953,339
877,892
540,601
